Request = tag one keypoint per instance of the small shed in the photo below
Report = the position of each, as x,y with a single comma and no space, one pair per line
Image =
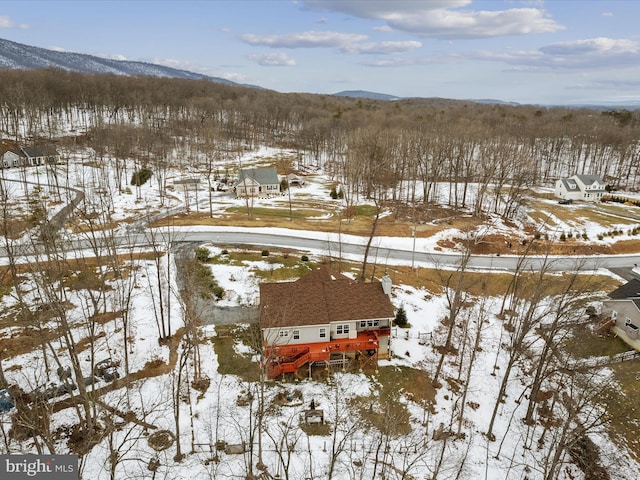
295,180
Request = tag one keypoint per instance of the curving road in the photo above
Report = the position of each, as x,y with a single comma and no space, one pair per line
384,250
385,253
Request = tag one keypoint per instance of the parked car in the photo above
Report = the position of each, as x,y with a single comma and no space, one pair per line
107,370
6,402
566,201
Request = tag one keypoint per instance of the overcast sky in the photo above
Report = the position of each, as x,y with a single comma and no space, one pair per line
528,51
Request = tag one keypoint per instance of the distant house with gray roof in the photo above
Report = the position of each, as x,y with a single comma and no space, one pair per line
29,156
40,155
581,187
257,182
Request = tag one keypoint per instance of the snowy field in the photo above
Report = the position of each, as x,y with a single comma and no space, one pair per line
352,448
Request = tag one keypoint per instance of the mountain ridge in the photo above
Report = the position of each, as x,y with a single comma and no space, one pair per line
19,56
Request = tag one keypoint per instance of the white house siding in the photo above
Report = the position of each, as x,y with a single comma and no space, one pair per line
10,159
277,337
337,329
383,349
247,187
627,320
372,324
579,190
562,192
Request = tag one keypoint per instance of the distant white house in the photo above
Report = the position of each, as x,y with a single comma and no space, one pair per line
29,156
257,182
581,187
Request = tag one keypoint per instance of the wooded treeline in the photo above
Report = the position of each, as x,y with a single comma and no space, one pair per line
394,150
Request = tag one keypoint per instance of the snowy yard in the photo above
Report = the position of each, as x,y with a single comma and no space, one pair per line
391,425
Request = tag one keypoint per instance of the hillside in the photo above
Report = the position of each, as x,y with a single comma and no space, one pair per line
17,56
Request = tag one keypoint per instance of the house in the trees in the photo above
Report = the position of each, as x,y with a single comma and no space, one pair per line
13,158
581,187
40,155
623,308
257,182
29,156
324,318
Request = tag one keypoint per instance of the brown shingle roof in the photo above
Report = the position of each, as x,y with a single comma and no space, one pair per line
321,297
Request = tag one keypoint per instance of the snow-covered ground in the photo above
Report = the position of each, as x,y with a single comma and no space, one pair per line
355,450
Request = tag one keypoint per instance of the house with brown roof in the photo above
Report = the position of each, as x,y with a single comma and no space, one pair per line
623,308
322,317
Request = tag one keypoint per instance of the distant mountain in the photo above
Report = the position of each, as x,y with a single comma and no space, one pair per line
17,56
491,101
365,94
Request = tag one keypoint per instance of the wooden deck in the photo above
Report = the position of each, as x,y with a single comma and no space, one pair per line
289,358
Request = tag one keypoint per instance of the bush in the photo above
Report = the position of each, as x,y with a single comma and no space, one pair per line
563,237
202,254
141,176
218,291
265,253
333,194
401,318
304,258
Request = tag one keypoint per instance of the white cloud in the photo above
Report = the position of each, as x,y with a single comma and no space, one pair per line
444,18
278,59
594,53
311,39
607,14
348,43
6,22
384,48
380,8
447,23
594,46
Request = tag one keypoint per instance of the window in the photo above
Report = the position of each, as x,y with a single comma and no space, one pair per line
296,334
342,329
614,315
628,323
323,333
283,333
363,324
